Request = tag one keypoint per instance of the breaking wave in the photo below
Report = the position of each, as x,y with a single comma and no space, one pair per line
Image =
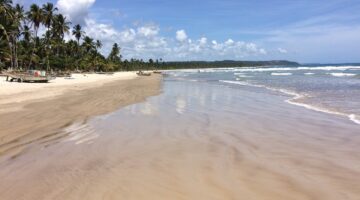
295,98
342,74
280,74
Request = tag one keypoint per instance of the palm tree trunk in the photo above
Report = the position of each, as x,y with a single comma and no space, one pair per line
11,55
47,62
33,50
15,53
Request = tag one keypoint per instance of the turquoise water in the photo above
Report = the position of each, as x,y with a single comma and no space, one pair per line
330,89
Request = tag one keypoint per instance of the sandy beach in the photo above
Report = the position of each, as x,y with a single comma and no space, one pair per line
192,141
34,111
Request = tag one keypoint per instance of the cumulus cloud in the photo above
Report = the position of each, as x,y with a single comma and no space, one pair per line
148,31
144,41
229,42
203,41
201,49
281,50
76,10
181,35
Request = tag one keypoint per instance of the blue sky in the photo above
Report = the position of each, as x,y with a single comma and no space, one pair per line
306,31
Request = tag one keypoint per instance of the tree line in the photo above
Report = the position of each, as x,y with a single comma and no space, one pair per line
22,48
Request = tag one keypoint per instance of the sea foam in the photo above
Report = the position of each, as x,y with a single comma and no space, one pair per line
342,74
280,74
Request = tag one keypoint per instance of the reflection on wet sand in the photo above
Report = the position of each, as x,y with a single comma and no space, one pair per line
180,105
226,144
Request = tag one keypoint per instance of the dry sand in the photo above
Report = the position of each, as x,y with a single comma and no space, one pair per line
11,92
34,111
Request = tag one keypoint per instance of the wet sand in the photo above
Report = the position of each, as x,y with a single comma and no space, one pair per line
26,119
194,141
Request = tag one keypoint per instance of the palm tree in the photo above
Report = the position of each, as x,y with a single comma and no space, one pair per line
7,28
60,26
78,33
35,15
21,42
98,45
5,49
6,8
114,55
48,11
88,44
26,43
18,17
26,33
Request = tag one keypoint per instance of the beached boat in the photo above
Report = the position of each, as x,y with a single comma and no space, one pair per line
63,74
157,72
141,73
28,76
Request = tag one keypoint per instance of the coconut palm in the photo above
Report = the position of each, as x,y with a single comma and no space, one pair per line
78,33
6,8
19,11
48,14
6,28
26,33
98,44
114,55
36,17
60,26
18,17
88,44
21,42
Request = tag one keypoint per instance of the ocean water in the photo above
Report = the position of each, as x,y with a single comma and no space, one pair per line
331,89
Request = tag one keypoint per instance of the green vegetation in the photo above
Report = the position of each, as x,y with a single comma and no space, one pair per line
21,47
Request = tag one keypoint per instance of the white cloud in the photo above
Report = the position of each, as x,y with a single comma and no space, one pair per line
262,51
203,41
144,41
229,42
148,31
281,50
181,35
76,10
139,42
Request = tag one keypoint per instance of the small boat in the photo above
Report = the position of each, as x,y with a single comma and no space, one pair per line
29,76
141,73
157,72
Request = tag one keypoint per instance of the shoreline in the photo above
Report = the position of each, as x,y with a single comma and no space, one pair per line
295,100
30,116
